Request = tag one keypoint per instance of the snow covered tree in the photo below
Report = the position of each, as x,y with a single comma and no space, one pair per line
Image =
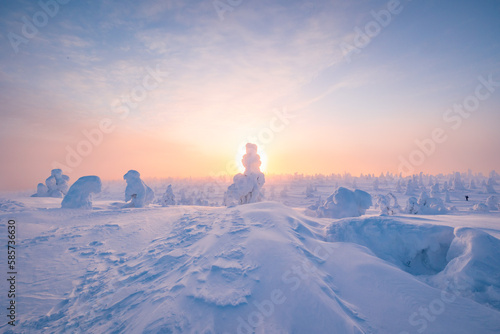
246,187
137,192
168,197
79,196
345,203
457,182
56,185
492,202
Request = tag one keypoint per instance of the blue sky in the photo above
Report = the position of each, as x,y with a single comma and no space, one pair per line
228,78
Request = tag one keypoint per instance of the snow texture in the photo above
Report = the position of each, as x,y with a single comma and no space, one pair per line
79,195
246,187
345,203
137,192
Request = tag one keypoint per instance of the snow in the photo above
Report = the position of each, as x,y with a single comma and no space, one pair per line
137,192
246,187
264,267
79,195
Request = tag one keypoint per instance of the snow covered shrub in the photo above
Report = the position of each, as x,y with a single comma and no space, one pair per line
345,203
168,197
425,205
79,195
137,192
41,191
480,207
56,185
246,187
388,204
492,202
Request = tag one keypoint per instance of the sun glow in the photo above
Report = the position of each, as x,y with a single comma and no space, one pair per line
242,152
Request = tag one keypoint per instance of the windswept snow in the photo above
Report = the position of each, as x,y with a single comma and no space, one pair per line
259,268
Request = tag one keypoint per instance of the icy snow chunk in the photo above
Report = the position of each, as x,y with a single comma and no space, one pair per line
246,187
79,195
137,192
345,203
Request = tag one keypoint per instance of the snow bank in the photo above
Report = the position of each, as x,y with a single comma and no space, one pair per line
137,192
474,267
79,195
246,187
345,203
56,185
417,249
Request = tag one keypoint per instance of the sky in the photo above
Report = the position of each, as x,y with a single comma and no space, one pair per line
177,88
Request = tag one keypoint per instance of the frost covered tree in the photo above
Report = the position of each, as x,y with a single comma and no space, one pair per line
137,192
56,185
457,182
492,202
168,197
310,191
41,191
79,196
435,192
425,205
489,186
447,196
388,204
345,203
246,187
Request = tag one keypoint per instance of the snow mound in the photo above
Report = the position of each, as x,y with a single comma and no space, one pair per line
474,267
79,195
246,187
417,249
137,192
345,203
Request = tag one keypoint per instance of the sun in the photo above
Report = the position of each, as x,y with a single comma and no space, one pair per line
241,152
